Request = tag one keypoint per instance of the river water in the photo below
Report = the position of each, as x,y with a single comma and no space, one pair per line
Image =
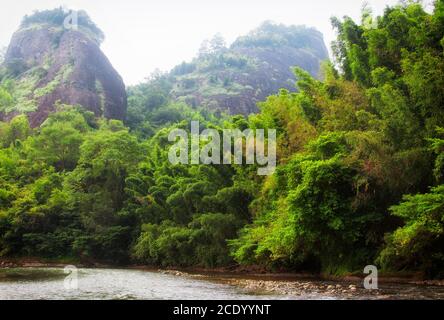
126,284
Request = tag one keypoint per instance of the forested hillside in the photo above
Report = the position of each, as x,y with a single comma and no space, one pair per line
233,79
359,179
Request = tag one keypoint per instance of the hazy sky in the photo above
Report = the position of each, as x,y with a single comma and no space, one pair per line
143,35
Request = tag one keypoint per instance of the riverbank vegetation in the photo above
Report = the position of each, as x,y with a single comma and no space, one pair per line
359,179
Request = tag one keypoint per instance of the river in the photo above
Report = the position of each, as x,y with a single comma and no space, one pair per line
127,284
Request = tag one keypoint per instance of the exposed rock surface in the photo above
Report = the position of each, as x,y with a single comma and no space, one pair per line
257,65
47,64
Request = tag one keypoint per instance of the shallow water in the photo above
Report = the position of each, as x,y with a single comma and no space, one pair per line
49,283
127,284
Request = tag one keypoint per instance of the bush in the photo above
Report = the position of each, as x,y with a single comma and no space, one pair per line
201,243
418,245
57,17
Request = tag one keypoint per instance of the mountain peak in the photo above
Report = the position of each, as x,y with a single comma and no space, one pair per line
234,79
48,64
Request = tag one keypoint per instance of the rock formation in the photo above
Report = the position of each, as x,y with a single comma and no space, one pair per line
255,66
47,64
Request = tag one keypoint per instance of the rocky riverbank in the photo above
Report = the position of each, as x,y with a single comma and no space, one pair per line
292,288
303,286
292,285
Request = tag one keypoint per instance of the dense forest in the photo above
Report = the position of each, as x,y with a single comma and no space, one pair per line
359,179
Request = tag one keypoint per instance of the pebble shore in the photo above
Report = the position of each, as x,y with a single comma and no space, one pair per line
340,289
292,288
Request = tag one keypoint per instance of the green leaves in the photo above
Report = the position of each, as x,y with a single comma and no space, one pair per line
110,152
418,244
349,148
57,145
62,187
437,146
202,242
6,99
313,217
15,132
57,17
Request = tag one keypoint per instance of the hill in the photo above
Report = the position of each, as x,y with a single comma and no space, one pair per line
234,79
47,64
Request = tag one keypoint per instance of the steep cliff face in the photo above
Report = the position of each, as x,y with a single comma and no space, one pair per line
47,64
234,79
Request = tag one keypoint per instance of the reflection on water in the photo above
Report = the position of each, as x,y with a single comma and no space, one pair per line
30,274
124,284
45,283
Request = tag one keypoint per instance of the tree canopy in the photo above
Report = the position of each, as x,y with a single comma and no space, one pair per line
359,179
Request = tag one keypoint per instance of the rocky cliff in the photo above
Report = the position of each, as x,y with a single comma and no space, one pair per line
47,64
256,65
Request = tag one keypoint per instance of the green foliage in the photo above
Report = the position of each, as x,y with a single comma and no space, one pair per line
57,17
202,242
175,204
315,213
62,75
359,177
21,94
437,146
61,188
328,205
15,132
5,99
183,68
273,35
13,68
418,244
81,188
145,99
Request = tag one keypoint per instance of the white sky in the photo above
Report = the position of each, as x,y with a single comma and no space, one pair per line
144,35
